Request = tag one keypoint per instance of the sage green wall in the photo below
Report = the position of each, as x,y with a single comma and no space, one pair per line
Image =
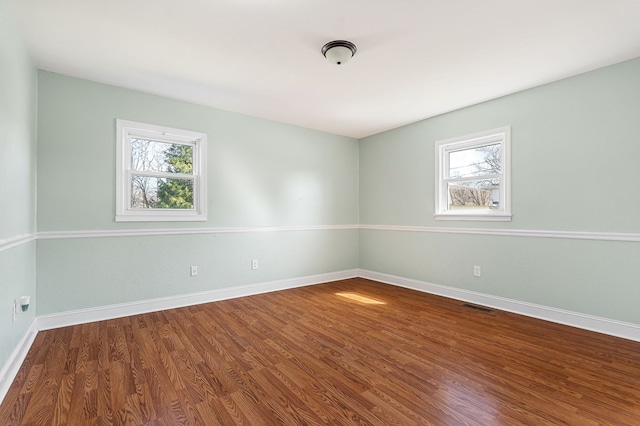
575,152
81,273
17,181
260,174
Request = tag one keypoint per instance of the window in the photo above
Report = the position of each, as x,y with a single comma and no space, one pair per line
473,177
161,173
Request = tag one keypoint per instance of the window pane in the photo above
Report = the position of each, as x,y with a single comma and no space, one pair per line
154,156
160,193
476,161
475,194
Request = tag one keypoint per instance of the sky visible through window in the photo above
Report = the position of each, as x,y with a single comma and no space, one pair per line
479,165
474,162
153,156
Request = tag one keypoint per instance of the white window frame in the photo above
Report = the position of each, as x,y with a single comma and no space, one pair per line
502,136
125,131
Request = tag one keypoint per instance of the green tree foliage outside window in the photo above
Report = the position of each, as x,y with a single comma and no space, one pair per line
177,193
175,189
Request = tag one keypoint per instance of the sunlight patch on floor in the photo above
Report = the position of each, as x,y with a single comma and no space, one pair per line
360,298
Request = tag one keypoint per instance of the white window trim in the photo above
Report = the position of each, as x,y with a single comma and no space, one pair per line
502,135
125,130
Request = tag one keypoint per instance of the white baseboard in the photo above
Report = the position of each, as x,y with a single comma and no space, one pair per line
611,327
100,313
45,322
12,366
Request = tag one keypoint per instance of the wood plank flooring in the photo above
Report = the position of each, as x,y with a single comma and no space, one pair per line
326,354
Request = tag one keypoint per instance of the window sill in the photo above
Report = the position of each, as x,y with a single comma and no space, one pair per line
500,217
160,218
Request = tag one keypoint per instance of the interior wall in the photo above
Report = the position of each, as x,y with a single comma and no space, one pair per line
575,149
281,194
574,152
17,183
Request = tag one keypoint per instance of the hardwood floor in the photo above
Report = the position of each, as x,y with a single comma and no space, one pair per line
326,354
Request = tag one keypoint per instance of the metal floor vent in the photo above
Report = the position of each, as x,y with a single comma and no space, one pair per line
477,308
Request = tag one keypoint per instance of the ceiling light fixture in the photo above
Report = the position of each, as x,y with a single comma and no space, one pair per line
339,51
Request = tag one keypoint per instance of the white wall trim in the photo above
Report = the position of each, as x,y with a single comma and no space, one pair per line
611,327
54,235
100,313
12,242
12,366
45,322
588,322
530,233
574,235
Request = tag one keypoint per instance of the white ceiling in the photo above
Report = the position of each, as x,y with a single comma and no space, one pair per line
416,58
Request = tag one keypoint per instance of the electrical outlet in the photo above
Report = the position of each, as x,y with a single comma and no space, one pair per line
254,264
477,271
194,271
15,310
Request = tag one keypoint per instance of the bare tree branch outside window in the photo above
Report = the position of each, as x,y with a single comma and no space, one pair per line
475,163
